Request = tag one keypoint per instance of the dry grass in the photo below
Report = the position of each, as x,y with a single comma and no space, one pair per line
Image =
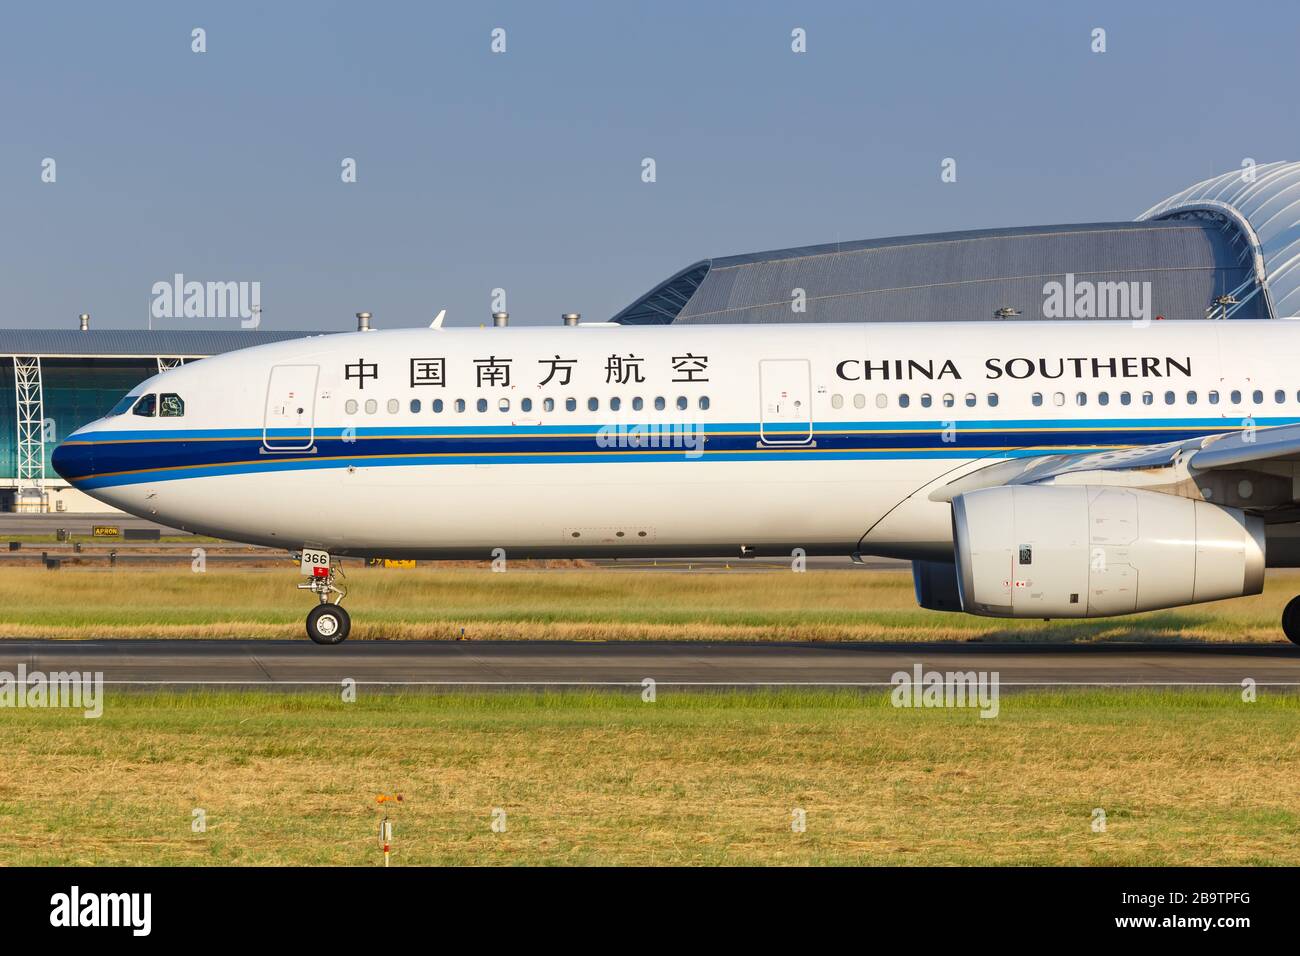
1190,777
582,605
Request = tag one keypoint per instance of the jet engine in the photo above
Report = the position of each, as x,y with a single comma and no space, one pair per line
1093,551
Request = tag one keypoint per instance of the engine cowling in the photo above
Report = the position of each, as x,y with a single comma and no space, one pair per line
936,585
1094,551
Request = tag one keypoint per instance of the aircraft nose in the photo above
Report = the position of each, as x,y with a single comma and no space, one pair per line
74,459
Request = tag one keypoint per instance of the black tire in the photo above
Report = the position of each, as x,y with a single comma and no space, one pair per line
328,624
1291,620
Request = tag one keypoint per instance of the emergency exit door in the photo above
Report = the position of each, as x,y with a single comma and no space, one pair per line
785,396
290,423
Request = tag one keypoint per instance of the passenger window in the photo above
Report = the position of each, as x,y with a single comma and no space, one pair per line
970,399
593,404
525,404
1191,398
993,399
481,404
1058,398
1103,398
925,400
1257,396
860,400
350,407
1236,397
1036,399
393,406
615,403
1081,398
1212,397
1148,398
570,404
638,403
460,404
882,400
548,404
170,405
660,404
372,406
415,405
1279,397
948,400
503,404
704,403
146,407
1169,398
437,406
682,403
904,400
1125,398
837,400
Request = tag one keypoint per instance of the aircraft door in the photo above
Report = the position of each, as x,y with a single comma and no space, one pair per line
785,401
290,420
1236,385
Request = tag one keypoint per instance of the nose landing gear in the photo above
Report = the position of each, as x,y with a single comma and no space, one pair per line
327,623
1291,620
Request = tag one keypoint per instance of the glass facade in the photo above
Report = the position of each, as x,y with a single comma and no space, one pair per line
76,391
663,303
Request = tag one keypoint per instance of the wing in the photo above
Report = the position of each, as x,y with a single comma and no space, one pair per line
1254,469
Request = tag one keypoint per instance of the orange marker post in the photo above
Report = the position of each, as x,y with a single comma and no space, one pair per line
386,826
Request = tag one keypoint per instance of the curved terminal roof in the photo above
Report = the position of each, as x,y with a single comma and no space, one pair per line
1262,203
1213,251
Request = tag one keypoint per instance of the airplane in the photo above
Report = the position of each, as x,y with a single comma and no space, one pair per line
1028,469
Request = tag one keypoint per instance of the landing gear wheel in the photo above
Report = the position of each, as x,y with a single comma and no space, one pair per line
1291,621
328,624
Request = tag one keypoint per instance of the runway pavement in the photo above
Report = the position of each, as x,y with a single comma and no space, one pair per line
434,664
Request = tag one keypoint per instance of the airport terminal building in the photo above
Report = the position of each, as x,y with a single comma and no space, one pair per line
1223,249
53,381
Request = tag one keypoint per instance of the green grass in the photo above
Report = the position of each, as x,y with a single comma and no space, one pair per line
585,604
1184,777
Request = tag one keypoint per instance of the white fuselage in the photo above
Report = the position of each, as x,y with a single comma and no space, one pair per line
665,440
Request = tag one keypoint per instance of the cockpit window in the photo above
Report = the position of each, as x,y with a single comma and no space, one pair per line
147,406
123,405
170,405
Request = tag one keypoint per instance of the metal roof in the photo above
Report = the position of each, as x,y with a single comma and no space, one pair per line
956,275
134,342
1263,202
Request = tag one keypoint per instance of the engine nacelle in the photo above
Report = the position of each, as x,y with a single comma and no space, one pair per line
936,585
1093,551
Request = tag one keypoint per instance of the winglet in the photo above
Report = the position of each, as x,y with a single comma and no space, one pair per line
437,320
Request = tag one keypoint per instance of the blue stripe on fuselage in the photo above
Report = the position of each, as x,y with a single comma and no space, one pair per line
107,458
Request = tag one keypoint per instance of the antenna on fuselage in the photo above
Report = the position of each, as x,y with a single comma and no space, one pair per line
437,320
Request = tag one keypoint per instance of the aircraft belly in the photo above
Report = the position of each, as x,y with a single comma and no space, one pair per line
663,507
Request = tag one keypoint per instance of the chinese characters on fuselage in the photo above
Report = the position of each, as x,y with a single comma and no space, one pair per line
495,372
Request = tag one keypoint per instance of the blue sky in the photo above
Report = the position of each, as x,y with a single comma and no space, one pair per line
522,170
